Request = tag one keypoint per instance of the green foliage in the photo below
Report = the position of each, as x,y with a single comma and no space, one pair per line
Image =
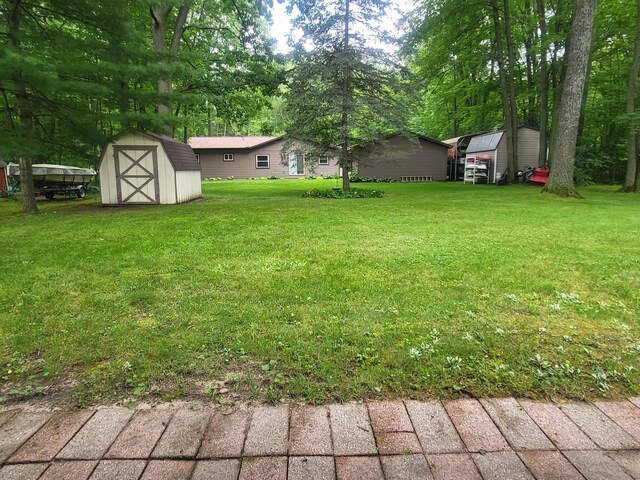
339,193
343,95
450,49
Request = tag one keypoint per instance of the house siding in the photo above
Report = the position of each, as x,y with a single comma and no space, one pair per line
401,157
244,163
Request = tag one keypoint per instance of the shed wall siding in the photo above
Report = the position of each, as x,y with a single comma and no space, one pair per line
189,185
244,163
528,147
403,158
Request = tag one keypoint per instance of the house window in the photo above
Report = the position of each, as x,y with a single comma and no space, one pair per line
262,161
228,157
323,161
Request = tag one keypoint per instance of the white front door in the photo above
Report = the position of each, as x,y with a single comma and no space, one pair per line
296,164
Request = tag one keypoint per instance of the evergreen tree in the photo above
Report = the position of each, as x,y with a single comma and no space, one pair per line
344,95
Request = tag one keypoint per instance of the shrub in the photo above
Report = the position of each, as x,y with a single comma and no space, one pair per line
353,193
272,177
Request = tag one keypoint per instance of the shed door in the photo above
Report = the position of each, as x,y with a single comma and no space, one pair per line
137,174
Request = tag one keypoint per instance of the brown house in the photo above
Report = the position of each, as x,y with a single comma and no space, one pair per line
249,157
407,160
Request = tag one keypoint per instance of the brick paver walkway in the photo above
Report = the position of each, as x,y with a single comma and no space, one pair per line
459,439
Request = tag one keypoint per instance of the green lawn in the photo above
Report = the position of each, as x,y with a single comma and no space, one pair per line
435,290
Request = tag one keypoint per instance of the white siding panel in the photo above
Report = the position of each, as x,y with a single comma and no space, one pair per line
189,183
107,172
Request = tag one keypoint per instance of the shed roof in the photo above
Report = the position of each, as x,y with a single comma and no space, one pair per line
2,164
230,143
485,143
180,154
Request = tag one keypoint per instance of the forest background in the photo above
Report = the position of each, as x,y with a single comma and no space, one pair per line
77,72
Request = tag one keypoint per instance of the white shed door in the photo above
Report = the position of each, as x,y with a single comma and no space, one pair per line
137,174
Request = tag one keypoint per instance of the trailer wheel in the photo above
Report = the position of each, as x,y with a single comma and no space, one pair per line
81,193
48,195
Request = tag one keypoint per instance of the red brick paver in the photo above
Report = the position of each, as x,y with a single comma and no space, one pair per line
310,432
557,426
51,438
264,468
389,417
140,436
358,468
475,427
549,465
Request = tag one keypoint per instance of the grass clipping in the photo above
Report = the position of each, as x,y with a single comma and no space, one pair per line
339,193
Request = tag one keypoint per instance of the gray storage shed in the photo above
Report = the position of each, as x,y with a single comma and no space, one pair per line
141,168
494,146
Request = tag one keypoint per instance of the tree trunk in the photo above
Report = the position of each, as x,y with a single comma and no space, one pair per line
160,16
25,115
630,181
346,105
564,141
513,158
544,83
505,93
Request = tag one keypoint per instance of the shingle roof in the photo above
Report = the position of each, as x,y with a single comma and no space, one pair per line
230,143
180,154
2,164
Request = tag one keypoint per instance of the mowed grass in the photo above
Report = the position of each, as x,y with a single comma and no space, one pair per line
437,290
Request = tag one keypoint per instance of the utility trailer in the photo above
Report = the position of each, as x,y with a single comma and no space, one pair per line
50,180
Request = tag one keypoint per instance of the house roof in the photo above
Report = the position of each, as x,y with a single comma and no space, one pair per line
230,143
485,143
180,154
432,140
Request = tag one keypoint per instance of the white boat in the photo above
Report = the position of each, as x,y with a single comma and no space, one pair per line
51,179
